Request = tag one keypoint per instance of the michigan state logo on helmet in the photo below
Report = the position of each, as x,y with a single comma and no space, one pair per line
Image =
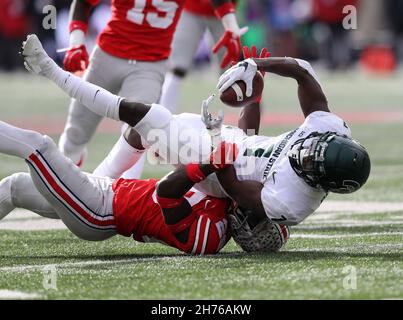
330,161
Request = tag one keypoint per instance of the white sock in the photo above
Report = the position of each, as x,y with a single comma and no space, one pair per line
135,171
120,159
97,99
76,153
171,92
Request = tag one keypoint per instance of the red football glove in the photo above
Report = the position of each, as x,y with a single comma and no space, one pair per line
233,45
76,59
224,155
252,53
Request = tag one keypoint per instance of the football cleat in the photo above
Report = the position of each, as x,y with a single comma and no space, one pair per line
35,57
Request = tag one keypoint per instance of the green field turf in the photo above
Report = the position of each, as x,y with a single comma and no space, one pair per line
314,264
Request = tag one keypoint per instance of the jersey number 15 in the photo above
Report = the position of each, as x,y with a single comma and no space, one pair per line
137,15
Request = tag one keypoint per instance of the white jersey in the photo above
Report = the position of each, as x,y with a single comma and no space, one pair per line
286,198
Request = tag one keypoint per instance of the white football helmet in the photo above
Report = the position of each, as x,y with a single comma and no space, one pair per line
266,236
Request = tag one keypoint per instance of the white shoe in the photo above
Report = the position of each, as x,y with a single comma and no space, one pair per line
35,57
6,205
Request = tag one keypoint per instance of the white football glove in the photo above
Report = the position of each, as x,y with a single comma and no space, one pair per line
230,23
244,70
213,125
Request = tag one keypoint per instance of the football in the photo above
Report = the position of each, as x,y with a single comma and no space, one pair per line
235,96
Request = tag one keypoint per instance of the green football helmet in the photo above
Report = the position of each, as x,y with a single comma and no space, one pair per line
330,161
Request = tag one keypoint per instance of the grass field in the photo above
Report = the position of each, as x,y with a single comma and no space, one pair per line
351,248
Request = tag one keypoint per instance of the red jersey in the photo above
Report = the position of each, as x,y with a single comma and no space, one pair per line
140,29
138,214
331,11
14,19
200,7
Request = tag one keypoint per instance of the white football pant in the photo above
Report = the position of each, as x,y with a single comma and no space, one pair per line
56,186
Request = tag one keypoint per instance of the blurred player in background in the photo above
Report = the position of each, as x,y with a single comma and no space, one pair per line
14,25
130,59
197,18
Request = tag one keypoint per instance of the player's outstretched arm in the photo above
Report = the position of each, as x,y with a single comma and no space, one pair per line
246,194
310,92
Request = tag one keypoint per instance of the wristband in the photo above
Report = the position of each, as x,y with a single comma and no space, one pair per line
194,173
224,9
76,24
169,203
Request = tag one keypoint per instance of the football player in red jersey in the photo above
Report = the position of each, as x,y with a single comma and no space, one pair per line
197,18
97,208
129,60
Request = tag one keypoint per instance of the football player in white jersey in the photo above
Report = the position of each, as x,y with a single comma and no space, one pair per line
283,178
297,169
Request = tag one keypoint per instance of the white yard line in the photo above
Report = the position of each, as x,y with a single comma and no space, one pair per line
33,225
23,220
12,295
363,248
327,215
354,215
338,236
86,263
330,206
19,214
325,224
